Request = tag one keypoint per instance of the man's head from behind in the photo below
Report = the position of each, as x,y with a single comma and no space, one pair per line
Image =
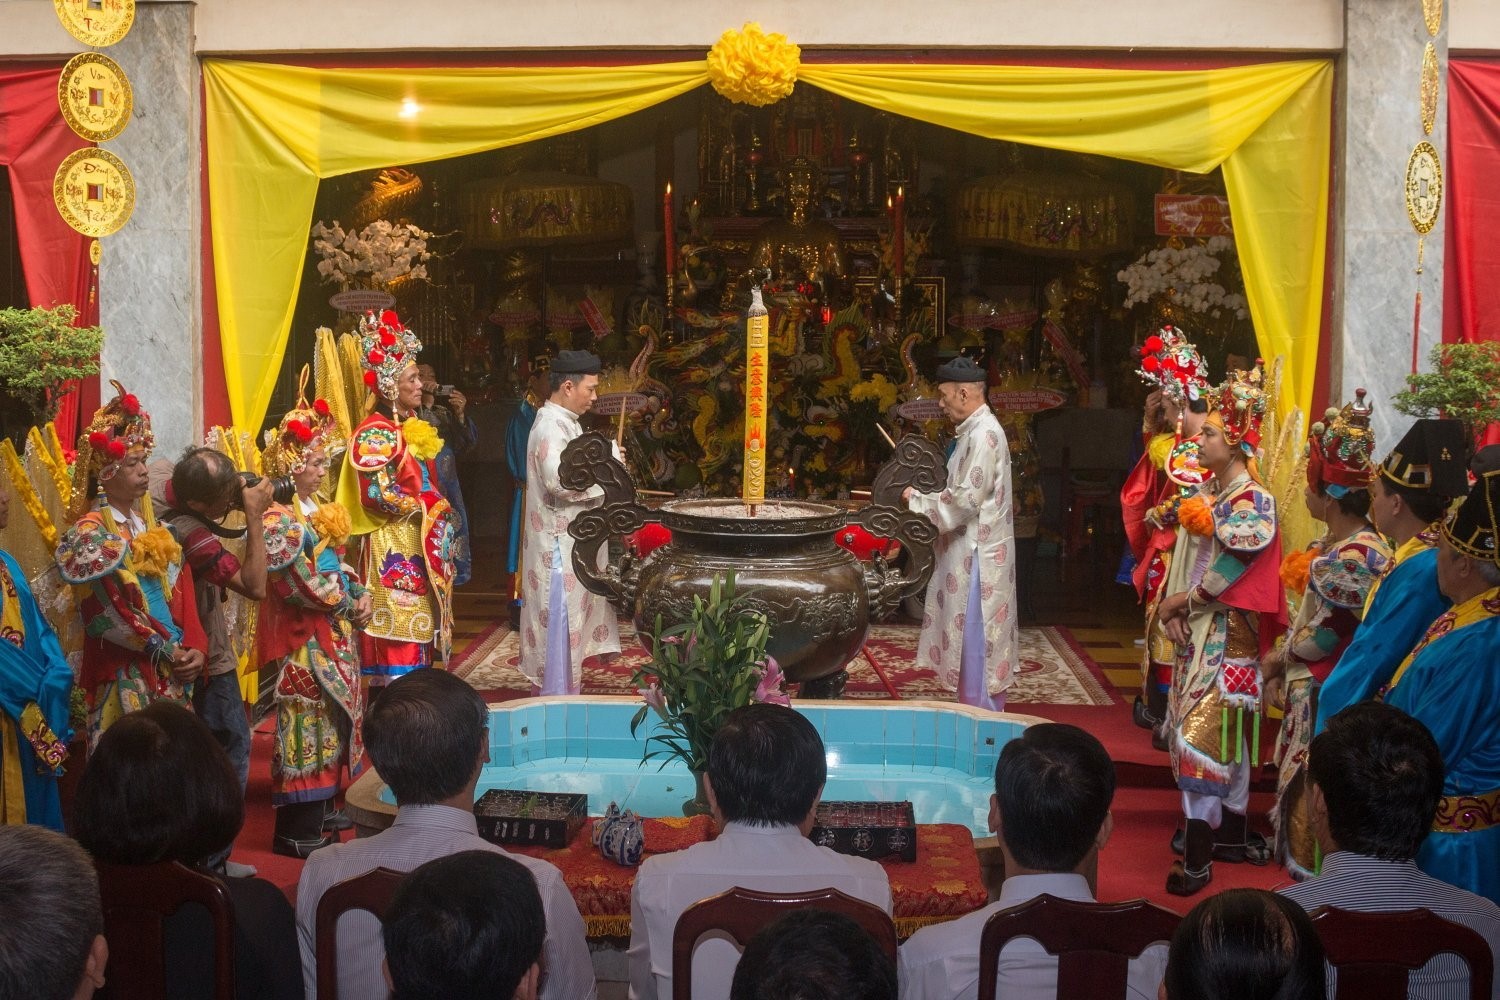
52,946
813,954
1376,777
468,926
427,735
1053,787
766,766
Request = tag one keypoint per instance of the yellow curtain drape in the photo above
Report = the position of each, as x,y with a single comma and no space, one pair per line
273,131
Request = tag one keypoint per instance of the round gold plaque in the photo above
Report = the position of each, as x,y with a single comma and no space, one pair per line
95,96
1424,187
96,22
94,191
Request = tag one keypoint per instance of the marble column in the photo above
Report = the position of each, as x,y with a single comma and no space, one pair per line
1375,246
149,277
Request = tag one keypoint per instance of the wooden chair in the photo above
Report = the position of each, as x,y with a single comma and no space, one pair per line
1093,942
741,913
137,900
371,891
1373,952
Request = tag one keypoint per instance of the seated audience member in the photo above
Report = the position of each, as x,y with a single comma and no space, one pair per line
159,787
465,927
428,737
51,925
813,955
1245,944
1053,787
1376,778
766,771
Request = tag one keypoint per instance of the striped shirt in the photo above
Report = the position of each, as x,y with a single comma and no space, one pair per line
420,834
1357,882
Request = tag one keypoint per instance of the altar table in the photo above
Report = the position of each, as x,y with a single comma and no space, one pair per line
943,883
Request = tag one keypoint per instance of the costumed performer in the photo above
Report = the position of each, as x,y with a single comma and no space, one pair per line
517,433
562,623
1418,482
390,488
1451,684
1167,472
36,688
306,634
1333,577
446,414
1223,612
143,641
969,618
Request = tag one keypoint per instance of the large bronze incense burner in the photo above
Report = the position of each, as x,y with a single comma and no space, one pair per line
818,597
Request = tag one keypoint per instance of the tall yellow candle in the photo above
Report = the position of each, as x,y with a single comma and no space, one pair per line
757,371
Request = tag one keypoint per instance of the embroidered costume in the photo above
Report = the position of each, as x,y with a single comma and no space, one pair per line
36,685
390,488
1340,574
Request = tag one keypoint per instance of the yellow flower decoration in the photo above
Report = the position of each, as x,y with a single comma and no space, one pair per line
421,439
331,522
151,552
751,67
875,389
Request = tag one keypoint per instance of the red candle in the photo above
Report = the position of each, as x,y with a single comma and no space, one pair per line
669,233
899,237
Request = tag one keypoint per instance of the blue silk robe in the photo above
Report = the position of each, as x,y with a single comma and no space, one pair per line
33,672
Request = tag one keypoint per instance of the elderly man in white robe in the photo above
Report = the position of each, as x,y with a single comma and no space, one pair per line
969,623
562,623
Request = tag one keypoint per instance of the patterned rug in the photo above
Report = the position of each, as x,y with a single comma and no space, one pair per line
1054,668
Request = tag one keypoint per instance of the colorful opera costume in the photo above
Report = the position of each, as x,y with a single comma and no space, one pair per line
133,588
1451,684
1334,577
1234,609
36,685
390,488
305,631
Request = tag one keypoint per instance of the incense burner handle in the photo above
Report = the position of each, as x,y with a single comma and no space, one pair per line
586,462
920,464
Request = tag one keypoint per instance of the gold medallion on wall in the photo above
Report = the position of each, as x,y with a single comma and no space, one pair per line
95,96
1424,187
1432,14
1428,88
94,191
96,22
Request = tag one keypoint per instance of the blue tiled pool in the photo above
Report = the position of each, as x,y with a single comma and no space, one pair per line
938,755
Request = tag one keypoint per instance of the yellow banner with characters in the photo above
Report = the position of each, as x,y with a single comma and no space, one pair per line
757,375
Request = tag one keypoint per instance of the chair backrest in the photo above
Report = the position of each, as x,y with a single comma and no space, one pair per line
137,900
371,891
1373,952
741,913
1093,942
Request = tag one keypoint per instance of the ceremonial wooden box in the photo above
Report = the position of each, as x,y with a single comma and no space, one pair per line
872,830
508,816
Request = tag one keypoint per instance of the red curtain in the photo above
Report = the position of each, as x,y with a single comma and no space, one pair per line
1471,265
54,258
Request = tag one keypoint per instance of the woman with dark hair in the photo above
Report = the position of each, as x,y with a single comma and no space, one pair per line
159,787
1245,944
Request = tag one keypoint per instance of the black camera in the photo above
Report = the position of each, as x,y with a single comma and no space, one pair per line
283,489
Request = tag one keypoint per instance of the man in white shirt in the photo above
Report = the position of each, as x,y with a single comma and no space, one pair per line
428,737
766,771
1375,780
1053,787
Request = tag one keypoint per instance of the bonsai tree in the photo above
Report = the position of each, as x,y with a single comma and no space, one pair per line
1463,384
41,351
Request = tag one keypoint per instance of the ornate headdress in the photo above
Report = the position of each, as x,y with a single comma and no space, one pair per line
1473,529
120,428
385,349
304,428
1170,362
1340,449
1239,406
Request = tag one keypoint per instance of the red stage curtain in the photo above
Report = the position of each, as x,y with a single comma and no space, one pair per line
1471,267
33,141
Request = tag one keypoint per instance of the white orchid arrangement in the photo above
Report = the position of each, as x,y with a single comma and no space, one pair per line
1186,274
379,254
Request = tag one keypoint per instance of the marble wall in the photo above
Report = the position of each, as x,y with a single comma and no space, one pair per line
150,295
1375,247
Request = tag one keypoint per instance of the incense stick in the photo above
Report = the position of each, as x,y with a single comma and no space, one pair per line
888,439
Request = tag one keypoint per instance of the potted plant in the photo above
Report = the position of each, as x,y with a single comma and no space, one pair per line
1463,384
700,671
41,351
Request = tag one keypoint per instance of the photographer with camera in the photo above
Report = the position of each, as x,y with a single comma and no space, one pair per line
206,486
443,407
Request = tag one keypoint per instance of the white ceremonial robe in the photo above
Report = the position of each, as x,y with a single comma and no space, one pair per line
549,510
974,519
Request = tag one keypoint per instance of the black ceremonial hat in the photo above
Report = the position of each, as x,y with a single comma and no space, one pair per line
577,363
960,369
1473,529
1430,459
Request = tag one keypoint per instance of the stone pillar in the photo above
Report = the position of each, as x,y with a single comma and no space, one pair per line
1375,246
149,277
